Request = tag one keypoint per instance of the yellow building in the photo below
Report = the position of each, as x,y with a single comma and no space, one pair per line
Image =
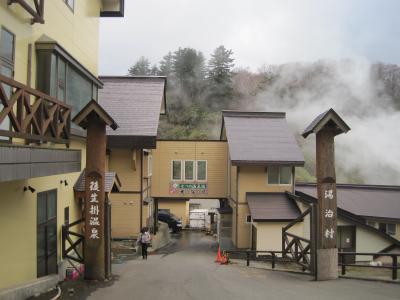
48,72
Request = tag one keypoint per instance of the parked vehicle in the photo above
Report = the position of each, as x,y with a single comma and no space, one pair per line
174,223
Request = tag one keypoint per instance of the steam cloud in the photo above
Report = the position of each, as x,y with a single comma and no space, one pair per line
369,153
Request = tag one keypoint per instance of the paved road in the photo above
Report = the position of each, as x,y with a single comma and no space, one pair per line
186,270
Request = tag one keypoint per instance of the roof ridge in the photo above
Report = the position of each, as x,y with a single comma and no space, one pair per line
132,77
254,114
355,185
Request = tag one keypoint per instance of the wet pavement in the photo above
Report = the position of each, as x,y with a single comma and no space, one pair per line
185,269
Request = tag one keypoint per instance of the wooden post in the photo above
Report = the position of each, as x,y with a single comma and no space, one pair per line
95,199
326,126
94,119
327,257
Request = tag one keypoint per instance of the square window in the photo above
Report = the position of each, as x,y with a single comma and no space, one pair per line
273,175
176,170
391,229
201,170
7,40
285,175
189,170
248,219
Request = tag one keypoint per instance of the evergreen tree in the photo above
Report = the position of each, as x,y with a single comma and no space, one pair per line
189,71
219,75
140,68
167,65
154,71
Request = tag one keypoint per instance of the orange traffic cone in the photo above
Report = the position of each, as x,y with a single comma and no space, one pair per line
219,257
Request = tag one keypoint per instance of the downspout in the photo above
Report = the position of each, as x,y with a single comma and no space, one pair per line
141,189
237,205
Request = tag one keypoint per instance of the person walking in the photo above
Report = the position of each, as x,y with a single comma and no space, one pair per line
144,241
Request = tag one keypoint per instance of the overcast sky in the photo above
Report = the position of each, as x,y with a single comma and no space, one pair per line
258,31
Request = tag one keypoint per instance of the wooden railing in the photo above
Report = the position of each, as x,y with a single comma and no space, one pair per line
33,115
72,251
295,247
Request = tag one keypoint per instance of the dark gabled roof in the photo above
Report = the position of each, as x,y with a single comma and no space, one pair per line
135,103
81,117
112,182
372,201
348,216
329,117
260,138
270,207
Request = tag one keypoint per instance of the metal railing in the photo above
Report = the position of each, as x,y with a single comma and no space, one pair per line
279,257
394,266
269,255
33,115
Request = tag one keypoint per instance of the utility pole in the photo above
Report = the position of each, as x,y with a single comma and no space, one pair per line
326,126
94,119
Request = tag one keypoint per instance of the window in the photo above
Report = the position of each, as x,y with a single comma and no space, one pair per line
388,228
46,233
66,215
201,170
176,170
7,56
149,165
371,223
60,78
279,175
248,219
70,3
189,170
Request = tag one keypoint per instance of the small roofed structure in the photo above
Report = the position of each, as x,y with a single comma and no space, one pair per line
261,138
330,119
136,103
82,117
272,207
112,183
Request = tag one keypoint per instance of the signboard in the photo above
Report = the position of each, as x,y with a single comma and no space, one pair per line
94,213
329,215
176,188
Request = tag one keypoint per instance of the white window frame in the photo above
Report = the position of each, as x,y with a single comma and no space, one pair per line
247,222
197,178
194,170
391,232
172,170
279,176
149,165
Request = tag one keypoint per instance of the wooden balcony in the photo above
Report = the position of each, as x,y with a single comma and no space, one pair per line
33,115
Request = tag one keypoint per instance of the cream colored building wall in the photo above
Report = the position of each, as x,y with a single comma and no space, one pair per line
269,234
18,222
397,236
179,208
125,206
77,32
125,215
214,152
126,163
250,179
366,241
233,184
254,179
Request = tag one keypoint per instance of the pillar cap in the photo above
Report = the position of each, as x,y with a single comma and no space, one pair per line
328,119
81,119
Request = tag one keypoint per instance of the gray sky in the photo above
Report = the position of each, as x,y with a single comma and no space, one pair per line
258,31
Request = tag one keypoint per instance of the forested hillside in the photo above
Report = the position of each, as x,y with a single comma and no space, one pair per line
367,95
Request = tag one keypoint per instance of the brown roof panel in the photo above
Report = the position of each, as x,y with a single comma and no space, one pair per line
135,103
363,200
261,138
272,207
111,179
